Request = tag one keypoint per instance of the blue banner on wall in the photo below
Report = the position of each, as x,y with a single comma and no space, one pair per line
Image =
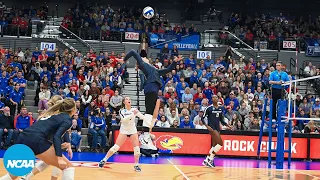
190,42
313,51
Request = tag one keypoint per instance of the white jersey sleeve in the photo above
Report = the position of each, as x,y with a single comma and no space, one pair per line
126,115
128,122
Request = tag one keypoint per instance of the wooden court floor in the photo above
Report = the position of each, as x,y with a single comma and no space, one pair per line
121,171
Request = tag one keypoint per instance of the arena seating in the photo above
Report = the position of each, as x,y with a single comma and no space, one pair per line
272,28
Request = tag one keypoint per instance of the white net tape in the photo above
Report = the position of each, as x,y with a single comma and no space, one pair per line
294,102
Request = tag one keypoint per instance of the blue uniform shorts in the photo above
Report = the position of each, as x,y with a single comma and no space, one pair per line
37,147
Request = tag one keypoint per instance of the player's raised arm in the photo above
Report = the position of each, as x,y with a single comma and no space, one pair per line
134,54
171,66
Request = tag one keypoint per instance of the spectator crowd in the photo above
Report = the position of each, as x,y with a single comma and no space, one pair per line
95,81
274,28
241,87
18,20
95,22
14,116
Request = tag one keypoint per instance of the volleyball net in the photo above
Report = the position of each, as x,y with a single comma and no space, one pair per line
285,115
292,101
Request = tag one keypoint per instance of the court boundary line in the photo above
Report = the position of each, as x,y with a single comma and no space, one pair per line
307,174
184,175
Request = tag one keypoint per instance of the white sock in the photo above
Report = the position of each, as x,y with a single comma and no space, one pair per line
136,164
6,177
211,156
68,174
105,159
56,172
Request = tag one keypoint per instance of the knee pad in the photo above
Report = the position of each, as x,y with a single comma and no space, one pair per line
6,177
217,148
68,174
114,148
56,172
41,166
147,120
136,150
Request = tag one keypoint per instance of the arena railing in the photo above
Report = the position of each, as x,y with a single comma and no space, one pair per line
15,30
163,56
210,37
110,35
279,44
74,36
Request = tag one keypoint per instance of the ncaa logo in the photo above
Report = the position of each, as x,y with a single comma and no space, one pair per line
19,160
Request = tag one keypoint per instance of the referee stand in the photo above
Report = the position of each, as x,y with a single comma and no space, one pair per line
282,106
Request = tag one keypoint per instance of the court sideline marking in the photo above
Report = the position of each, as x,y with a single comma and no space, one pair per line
307,174
184,175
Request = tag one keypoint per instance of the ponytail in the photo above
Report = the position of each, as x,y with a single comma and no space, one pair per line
53,110
54,99
64,105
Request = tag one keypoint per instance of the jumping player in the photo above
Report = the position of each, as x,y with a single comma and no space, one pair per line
153,82
214,115
41,166
128,130
37,135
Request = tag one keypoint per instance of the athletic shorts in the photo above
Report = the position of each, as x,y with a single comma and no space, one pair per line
128,131
37,147
216,127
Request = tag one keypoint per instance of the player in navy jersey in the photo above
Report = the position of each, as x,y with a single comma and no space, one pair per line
50,126
214,115
152,83
41,166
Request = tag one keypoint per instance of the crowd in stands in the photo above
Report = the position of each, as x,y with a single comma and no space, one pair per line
14,116
270,28
93,22
16,20
95,81
241,88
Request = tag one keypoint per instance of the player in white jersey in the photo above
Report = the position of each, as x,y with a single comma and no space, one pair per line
147,147
128,129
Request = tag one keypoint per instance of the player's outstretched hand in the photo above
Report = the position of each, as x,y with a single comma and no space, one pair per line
231,128
64,145
62,164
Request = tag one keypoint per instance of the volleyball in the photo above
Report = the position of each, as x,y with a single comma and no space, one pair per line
148,12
